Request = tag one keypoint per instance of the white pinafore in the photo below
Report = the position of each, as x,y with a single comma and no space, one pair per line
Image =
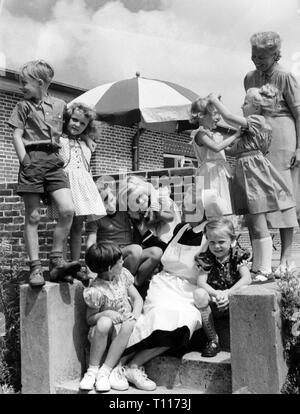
170,303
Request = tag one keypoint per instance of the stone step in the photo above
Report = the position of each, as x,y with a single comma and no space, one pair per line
191,374
207,375
72,387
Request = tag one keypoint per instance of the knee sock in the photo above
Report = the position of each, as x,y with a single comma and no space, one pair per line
208,324
262,255
33,264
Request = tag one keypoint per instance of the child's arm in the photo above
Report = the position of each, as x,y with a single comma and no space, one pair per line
137,301
90,142
203,139
243,281
226,114
18,143
94,300
223,300
202,283
91,239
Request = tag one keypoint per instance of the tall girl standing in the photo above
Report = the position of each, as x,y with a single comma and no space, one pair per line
76,152
258,186
213,172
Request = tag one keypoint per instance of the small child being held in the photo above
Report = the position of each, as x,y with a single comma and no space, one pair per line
223,270
111,316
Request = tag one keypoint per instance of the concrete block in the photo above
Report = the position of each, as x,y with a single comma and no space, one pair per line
206,375
256,341
53,335
209,375
164,371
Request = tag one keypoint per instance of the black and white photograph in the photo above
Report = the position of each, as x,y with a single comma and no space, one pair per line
149,200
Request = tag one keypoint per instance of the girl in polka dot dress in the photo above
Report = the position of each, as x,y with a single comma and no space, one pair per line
76,150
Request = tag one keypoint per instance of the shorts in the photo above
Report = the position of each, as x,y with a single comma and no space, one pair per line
41,172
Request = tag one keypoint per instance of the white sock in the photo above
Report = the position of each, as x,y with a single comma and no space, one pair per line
93,369
256,256
263,249
105,368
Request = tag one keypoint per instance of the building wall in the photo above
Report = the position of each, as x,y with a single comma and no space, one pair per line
114,152
9,164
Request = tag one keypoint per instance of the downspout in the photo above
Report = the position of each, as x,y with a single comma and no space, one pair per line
136,148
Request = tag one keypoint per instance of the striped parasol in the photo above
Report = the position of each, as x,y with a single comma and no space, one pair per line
139,101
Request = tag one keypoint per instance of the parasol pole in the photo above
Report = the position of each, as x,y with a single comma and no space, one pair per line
136,144
136,149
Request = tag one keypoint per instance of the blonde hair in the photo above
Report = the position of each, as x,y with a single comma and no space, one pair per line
199,108
37,69
222,224
268,41
87,112
266,97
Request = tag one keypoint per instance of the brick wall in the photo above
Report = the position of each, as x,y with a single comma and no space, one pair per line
9,164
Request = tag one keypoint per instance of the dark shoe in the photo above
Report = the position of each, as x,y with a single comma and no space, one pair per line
36,278
82,277
68,279
59,269
211,349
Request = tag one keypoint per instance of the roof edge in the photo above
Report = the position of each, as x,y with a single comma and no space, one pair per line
58,86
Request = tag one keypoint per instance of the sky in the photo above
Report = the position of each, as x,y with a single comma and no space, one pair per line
200,44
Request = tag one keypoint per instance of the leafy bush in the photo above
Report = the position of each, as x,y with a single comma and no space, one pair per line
289,285
10,350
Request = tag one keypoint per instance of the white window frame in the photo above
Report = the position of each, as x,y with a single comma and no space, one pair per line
179,160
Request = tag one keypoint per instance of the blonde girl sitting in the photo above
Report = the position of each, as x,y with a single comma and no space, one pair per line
223,270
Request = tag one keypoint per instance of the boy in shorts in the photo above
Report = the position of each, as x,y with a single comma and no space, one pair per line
37,121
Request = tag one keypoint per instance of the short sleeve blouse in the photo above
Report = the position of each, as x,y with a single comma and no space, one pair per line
222,276
110,295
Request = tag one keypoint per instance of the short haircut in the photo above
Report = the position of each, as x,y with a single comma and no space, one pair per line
37,69
101,256
223,224
269,41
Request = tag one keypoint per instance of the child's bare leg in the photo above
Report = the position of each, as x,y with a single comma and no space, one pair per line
101,333
149,261
119,344
32,219
286,239
100,336
146,355
64,203
132,255
60,270
75,237
261,243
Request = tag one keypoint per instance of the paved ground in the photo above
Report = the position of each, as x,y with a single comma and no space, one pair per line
276,258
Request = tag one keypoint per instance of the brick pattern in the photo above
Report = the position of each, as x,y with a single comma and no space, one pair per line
9,164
